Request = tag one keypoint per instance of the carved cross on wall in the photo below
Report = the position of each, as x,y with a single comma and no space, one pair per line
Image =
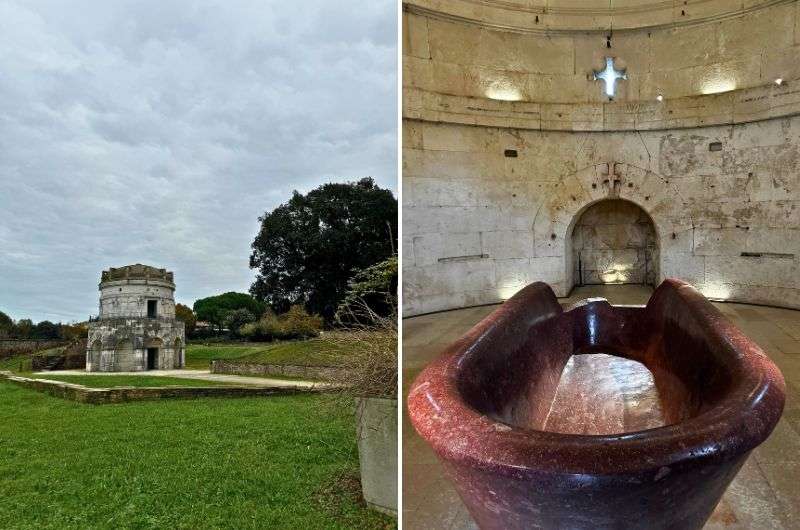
610,76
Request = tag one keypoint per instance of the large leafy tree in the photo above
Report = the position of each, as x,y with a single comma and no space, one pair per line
214,309
186,315
308,248
47,330
23,329
6,325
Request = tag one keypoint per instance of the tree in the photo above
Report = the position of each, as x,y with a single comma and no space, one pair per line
214,309
308,248
6,325
237,318
23,329
373,289
73,332
47,330
185,314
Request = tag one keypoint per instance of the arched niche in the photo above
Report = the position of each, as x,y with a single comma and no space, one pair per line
176,353
613,241
95,354
573,193
123,359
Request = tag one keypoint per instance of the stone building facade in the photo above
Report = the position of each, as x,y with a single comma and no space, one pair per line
136,329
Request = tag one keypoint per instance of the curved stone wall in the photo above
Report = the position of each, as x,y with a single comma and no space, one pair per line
507,139
448,59
559,15
128,298
478,225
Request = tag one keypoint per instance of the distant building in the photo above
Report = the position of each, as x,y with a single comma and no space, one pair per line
136,329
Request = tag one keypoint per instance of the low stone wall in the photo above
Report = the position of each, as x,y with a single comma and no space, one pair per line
58,362
323,373
10,347
100,396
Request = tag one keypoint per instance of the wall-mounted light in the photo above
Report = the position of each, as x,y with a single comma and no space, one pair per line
660,97
503,92
779,81
716,291
717,86
507,291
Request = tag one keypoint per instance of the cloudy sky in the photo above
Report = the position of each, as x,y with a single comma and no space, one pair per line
158,132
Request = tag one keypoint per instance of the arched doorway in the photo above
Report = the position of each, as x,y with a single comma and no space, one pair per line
153,352
614,241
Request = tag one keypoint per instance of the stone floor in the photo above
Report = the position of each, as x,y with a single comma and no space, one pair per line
205,375
764,496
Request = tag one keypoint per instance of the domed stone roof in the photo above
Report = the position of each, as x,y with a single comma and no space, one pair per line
136,271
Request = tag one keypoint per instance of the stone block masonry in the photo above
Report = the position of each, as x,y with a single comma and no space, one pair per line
513,219
322,373
136,329
101,396
11,347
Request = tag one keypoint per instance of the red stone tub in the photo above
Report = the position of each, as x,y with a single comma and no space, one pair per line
657,410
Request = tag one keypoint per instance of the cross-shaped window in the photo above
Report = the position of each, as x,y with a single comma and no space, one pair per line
610,76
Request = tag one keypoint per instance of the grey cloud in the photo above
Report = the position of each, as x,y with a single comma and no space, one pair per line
158,132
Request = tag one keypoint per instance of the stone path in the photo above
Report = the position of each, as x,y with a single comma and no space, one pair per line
204,375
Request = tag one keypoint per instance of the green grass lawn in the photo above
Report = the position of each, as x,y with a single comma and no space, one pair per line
313,352
109,381
199,356
193,464
17,363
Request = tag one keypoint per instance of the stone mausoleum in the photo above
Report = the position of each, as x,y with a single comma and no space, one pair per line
136,328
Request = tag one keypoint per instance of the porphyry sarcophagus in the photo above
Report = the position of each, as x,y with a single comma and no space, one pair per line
599,416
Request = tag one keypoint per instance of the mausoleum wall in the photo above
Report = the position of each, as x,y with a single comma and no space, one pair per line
507,140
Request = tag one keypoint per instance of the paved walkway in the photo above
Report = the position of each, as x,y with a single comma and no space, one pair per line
204,375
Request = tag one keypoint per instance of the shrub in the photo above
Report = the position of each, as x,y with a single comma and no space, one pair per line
215,309
370,291
298,322
236,319
74,332
371,368
294,324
